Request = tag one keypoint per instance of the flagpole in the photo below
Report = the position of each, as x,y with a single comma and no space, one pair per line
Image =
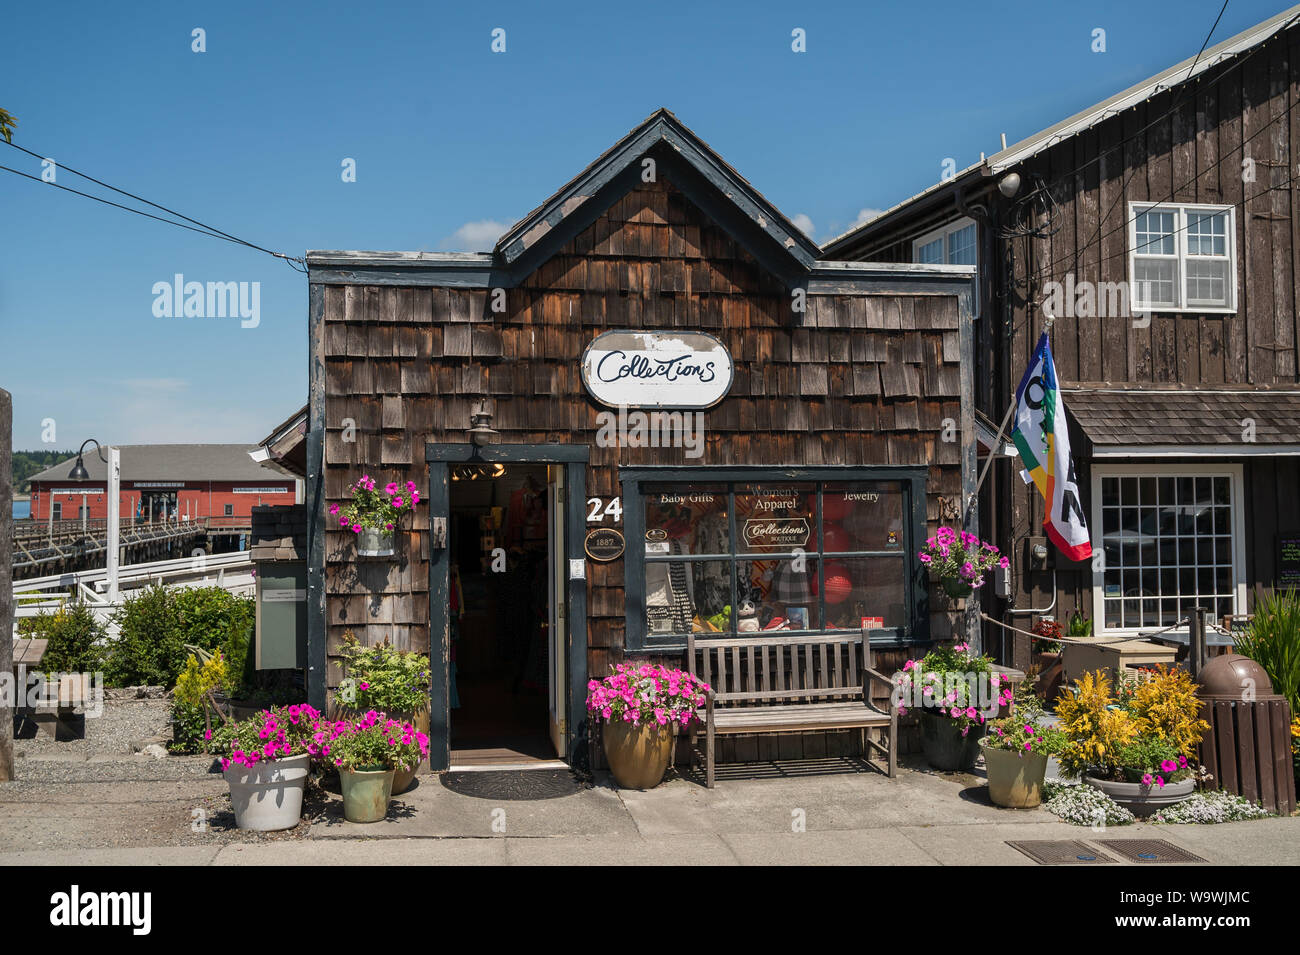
1048,320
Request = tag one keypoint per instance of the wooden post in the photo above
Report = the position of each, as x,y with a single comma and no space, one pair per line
6,588
1196,642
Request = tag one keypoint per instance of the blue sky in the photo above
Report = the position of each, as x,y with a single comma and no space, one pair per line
452,142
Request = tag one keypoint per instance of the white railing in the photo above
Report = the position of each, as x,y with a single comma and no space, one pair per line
234,572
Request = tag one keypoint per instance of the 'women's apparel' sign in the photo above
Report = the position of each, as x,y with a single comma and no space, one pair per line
677,369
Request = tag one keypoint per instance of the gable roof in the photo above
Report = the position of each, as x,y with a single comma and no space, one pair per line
660,129
1085,119
168,462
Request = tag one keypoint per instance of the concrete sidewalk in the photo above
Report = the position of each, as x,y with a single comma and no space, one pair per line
795,813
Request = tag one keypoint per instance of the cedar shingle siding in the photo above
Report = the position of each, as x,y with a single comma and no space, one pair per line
858,379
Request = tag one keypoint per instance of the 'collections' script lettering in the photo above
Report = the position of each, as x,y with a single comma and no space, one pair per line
639,366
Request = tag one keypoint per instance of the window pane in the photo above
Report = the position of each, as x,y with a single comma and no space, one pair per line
1168,546
961,246
1155,233
784,592
686,521
861,516
683,595
1207,233
870,587
931,253
776,518
1207,282
1155,281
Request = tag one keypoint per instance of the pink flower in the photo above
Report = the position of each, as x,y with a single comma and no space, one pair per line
925,558
334,509
397,502
365,686
1146,779
356,528
1168,765
343,522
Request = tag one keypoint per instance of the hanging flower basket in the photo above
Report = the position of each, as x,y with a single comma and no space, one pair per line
373,514
960,560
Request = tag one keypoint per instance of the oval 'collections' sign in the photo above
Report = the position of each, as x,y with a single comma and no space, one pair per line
666,369
604,543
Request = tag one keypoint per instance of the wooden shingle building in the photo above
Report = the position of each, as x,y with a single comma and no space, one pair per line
1159,227
653,409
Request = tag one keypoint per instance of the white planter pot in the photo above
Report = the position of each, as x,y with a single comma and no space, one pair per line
268,795
375,543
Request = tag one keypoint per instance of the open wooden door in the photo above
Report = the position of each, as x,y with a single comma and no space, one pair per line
558,623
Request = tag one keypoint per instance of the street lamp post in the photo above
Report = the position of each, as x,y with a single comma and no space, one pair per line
112,545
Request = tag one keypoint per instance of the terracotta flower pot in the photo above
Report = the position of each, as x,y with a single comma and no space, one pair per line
1143,800
945,747
638,755
1015,781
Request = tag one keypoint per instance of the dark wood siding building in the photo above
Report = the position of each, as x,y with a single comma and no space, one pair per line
846,381
1159,229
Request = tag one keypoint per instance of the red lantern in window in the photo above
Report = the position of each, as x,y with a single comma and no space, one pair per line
838,585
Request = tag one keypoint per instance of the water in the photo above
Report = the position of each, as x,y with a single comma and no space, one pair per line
22,510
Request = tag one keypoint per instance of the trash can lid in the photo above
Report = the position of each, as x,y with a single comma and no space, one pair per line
1227,676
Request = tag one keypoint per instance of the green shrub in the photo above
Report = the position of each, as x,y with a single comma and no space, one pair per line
1273,641
149,649
219,621
74,637
158,622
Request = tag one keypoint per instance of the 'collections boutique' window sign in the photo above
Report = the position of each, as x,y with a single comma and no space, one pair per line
669,369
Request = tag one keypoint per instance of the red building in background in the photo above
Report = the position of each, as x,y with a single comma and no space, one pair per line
164,482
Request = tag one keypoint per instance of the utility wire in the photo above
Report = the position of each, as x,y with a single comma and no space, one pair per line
203,228
1046,268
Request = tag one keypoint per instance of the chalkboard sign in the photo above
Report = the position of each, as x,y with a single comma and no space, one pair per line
1288,560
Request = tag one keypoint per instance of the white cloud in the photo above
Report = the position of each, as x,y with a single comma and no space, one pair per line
803,223
866,215
478,236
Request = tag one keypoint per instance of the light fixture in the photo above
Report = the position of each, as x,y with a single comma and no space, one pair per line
1009,184
79,472
480,424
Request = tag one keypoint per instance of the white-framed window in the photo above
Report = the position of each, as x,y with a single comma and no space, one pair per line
1183,257
1172,538
952,244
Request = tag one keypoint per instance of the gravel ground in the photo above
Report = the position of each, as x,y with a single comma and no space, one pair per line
98,792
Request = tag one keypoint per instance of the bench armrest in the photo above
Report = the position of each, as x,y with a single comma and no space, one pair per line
868,675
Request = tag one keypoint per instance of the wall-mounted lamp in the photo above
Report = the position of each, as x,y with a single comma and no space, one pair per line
480,424
1009,184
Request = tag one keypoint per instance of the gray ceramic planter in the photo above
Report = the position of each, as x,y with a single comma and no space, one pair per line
1142,800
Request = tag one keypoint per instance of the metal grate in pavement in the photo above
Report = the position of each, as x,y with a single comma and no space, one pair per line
1060,852
1148,850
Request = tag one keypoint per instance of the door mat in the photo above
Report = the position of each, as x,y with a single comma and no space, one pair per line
1149,850
1060,852
515,784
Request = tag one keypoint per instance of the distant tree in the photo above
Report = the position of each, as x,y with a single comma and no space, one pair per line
7,123
27,463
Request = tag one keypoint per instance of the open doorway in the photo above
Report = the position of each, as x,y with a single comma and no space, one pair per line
504,533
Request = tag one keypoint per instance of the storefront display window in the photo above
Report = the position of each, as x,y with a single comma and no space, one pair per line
774,556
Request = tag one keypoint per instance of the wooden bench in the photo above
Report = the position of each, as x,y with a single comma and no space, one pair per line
767,683
56,719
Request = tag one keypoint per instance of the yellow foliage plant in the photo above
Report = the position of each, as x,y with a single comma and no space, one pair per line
1165,706
1094,731
198,678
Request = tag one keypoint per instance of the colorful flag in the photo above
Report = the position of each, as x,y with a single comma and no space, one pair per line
1044,443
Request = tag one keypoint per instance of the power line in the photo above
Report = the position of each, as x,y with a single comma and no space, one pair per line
1176,105
1046,268
1237,63
297,264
